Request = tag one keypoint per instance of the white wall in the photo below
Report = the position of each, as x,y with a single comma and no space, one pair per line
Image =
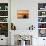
32,6
23,24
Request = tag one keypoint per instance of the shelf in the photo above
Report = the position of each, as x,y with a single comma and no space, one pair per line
3,16
4,19
42,19
3,22
3,10
41,10
41,22
41,28
42,16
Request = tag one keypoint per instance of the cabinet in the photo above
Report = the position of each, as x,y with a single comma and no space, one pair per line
42,41
3,40
4,22
4,19
42,19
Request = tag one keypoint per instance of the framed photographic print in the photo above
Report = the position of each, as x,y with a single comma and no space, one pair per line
42,32
22,14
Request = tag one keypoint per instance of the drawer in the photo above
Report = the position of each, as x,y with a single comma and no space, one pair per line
3,41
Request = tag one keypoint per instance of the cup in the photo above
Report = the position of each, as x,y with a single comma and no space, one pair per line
6,7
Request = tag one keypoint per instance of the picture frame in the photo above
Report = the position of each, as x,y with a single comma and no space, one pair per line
22,14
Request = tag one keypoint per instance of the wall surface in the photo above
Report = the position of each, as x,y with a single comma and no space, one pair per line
23,24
